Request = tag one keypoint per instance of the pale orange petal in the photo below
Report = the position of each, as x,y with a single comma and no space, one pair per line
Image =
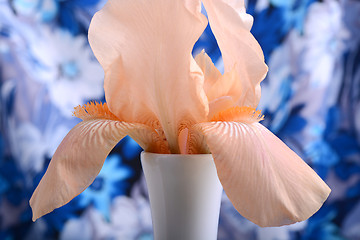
219,104
211,73
217,85
196,142
265,180
79,158
231,26
145,49
150,138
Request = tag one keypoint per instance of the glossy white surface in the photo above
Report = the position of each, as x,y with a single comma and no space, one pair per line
185,195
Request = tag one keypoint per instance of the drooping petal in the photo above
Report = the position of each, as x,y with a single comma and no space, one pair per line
145,50
231,26
80,156
150,139
196,140
266,181
217,85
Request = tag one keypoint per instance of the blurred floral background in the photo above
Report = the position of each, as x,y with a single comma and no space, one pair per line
311,100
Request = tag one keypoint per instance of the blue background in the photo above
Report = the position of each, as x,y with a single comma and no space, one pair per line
311,100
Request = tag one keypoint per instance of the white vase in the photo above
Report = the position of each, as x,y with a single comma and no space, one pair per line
185,195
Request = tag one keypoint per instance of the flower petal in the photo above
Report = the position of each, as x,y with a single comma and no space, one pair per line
219,104
145,50
231,26
266,181
211,73
217,85
79,158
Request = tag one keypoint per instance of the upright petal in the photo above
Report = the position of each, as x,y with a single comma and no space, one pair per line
145,50
79,158
231,26
211,73
217,85
265,180
219,104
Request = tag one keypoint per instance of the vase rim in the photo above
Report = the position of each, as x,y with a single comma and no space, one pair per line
174,154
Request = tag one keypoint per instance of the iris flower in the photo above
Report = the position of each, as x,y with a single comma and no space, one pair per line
171,103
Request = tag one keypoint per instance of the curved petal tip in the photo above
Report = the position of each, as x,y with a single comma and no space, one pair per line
264,179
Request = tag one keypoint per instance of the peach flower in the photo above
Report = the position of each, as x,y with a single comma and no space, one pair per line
169,102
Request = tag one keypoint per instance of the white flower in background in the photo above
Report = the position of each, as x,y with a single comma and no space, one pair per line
232,225
67,66
283,62
45,10
30,146
278,92
311,63
32,128
130,219
324,34
89,223
261,5
280,233
236,227
131,216
320,63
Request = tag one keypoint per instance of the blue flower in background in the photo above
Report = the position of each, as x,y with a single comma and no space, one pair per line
354,191
69,14
111,182
269,27
55,220
130,149
295,124
321,156
277,90
15,187
337,147
311,100
344,171
4,185
208,42
321,226
15,191
2,144
345,145
49,226
7,97
295,12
